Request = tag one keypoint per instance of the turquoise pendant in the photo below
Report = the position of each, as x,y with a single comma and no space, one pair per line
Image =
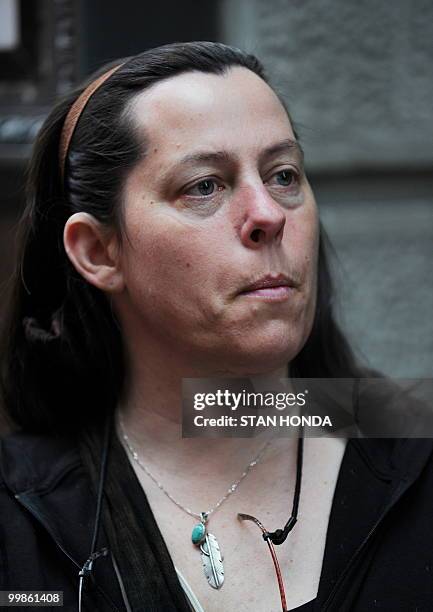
198,533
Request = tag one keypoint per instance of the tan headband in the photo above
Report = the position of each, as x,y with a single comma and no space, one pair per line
75,113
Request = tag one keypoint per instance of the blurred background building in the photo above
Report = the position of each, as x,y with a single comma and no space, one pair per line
358,80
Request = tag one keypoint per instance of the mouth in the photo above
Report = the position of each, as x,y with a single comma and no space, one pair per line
271,288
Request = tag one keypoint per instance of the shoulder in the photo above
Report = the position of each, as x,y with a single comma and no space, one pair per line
31,461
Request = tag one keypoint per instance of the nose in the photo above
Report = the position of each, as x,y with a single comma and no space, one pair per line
263,219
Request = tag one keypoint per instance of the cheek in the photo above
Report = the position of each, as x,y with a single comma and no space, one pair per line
311,261
302,239
303,250
171,267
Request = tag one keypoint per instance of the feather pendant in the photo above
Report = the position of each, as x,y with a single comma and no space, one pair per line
212,561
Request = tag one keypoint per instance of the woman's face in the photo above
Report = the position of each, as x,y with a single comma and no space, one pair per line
219,202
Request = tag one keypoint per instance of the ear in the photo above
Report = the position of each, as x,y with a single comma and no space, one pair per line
94,251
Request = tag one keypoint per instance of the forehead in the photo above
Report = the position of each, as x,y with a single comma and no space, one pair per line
233,111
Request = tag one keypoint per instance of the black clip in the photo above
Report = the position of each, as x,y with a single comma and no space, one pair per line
88,566
86,570
279,536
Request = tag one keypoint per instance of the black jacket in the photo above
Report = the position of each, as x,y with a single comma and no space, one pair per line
379,546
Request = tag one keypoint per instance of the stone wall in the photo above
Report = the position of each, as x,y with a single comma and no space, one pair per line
384,274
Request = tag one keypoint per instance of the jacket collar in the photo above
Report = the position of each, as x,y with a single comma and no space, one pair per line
36,462
374,475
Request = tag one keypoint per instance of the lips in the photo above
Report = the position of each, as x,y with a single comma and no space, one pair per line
269,282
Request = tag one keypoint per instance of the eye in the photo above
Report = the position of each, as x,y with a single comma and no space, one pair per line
285,185
285,177
205,187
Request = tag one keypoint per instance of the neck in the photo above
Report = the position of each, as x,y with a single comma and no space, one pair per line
151,413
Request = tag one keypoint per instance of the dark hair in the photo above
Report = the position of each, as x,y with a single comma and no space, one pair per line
62,361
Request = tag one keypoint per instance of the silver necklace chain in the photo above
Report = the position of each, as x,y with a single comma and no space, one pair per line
198,515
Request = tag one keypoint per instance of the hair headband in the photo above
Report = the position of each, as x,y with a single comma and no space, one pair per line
74,114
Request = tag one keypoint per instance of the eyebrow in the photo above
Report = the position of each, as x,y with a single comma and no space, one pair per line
284,146
203,157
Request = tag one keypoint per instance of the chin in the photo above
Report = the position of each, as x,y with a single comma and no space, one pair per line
264,353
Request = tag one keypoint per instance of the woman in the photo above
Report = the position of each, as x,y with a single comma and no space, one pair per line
171,233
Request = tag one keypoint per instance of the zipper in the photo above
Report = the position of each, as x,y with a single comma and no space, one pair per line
398,492
26,500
